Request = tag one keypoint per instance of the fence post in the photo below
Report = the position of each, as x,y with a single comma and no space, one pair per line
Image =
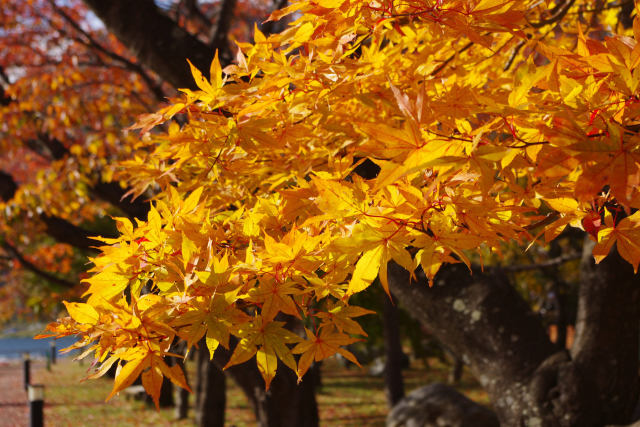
36,405
26,370
53,352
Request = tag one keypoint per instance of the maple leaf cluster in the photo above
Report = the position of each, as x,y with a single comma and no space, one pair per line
477,125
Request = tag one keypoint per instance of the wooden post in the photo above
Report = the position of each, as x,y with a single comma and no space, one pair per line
36,405
53,352
26,370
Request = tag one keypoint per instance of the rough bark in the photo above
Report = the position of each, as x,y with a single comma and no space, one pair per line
484,320
394,383
607,330
157,41
210,391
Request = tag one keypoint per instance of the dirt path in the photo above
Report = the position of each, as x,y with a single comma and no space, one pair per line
14,408
13,398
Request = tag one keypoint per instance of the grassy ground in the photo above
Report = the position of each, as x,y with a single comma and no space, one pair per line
348,397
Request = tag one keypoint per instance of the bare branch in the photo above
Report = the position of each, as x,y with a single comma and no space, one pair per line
557,13
540,265
449,59
513,55
33,268
66,232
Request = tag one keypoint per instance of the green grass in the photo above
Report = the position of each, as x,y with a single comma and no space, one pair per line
348,397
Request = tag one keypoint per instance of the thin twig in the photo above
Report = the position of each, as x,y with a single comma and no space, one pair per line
540,265
557,13
449,59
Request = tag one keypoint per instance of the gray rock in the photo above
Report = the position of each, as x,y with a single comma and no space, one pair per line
438,405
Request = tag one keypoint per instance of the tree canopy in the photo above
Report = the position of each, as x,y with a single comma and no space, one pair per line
421,132
68,86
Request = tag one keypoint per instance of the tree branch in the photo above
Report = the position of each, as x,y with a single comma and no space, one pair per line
195,11
48,147
33,268
155,39
112,193
8,187
540,265
272,27
449,59
557,13
484,320
91,42
65,232
58,228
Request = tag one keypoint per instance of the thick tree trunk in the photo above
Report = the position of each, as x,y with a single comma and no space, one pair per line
607,329
530,382
210,391
483,320
395,357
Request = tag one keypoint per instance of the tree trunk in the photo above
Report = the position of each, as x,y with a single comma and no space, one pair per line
395,357
166,399
182,404
607,329
166,394
182,396
530,382
286,403
210,391
455,374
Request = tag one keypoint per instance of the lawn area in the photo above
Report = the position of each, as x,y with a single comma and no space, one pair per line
348,397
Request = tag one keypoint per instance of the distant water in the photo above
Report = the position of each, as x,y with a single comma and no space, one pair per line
13,348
